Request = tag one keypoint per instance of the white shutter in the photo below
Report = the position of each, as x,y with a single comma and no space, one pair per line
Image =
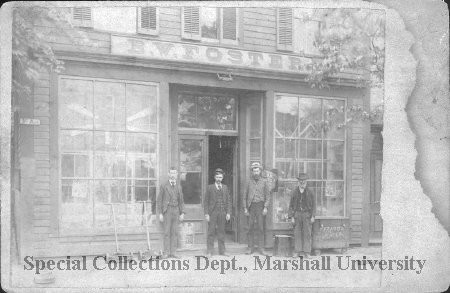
190,19
284,29
229,29
148,20
82,16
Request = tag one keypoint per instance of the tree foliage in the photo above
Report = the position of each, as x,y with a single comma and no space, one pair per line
349,40
32,53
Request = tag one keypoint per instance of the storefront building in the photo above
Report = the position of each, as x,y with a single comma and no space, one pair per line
198,89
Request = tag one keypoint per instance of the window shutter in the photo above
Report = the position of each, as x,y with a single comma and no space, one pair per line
284,29
148,20
229,24
82,16
190,23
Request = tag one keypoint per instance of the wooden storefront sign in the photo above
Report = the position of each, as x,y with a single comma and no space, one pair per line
200,54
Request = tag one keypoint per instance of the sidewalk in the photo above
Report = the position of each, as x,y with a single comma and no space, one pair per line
186,278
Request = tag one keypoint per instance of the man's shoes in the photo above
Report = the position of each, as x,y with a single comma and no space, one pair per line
250,251
295,254
223,254
173,256
209,254
307,255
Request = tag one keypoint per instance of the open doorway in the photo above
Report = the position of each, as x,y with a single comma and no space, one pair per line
222,154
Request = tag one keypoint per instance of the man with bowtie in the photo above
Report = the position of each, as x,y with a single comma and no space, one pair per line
170,207
217,206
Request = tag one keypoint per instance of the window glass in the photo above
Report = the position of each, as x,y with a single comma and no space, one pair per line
109,105
76,104
191,170
310,138
209,23
116,162
207,112
141,107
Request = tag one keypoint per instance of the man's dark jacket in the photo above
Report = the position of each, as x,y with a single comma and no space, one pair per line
309,203
163,200
211,195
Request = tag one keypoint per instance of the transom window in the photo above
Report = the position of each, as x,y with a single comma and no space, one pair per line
108,152
310,138
206,111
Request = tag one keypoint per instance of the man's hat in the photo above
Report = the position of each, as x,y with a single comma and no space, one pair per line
219,171
256,165
302,176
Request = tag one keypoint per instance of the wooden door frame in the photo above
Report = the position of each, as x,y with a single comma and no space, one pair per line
374,155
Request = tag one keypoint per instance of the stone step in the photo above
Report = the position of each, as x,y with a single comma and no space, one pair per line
200,249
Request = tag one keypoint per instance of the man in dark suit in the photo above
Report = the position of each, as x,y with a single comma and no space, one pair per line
255,202
302,209
170,207
217,206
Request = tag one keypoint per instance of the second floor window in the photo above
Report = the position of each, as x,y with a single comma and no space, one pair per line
210,24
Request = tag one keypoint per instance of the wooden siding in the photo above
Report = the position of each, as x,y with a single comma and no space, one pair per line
356,180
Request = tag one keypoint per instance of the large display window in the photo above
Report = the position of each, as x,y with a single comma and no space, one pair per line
309,136
108,146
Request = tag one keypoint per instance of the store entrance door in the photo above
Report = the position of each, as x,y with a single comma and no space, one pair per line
222,154
200,156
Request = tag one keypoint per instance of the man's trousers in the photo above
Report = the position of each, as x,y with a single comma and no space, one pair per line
256,228
216,225
171,220
302,232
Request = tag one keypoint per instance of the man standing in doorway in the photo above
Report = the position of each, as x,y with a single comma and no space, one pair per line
302,209
255,202
170,207
217,206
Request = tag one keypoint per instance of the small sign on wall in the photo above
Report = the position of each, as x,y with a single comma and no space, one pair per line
29,121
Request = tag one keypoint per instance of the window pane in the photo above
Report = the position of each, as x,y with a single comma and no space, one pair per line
314,170
109,191
187,111
67,165
141,143
76,104
109,105
76,206
191,187
316,188
141,165
335,119
286,116
287,169
314,149
334,199
310,113
141,107
82,166
209,22
110,141
190,155
76,140
281,201
216,112
334,160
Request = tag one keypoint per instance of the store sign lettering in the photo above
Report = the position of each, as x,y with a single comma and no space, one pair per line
208,55
332,233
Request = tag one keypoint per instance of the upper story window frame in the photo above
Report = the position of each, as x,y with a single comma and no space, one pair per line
148,31
195,26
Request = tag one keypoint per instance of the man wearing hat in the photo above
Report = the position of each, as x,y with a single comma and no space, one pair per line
217,206
302,208
255,202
